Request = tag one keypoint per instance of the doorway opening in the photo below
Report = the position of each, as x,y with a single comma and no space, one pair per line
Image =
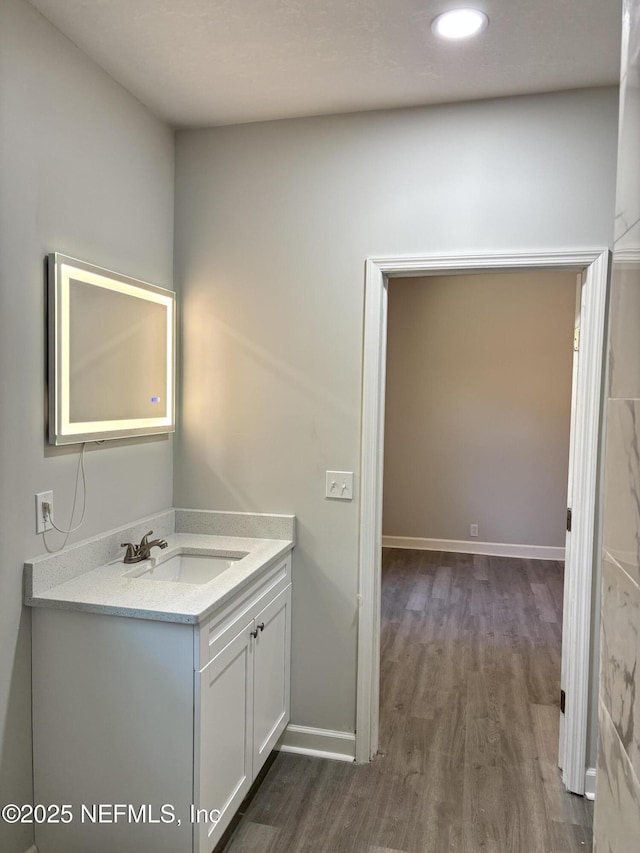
584,451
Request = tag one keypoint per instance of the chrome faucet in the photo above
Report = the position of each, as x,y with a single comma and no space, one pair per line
138,553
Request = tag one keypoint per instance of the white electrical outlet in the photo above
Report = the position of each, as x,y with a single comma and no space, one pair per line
339,485
43,520
473,530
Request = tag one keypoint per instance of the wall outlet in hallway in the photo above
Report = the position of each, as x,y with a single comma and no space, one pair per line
473,530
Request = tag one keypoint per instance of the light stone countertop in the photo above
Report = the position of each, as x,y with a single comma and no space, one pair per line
106,589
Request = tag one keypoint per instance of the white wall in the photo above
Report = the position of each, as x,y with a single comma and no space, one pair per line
273,224
478,406
84,170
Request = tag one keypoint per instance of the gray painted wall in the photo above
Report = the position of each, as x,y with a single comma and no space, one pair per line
273,224
478,406
84,170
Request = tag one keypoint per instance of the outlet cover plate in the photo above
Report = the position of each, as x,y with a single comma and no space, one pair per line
42,524
339,485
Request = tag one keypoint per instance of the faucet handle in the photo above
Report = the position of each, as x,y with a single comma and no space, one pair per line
132,551
145,539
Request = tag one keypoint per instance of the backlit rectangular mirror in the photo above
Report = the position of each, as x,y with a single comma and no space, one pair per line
111,354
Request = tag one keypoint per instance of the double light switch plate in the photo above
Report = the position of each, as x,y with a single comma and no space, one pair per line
339,485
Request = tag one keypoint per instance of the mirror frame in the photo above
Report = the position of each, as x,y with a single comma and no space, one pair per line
61,269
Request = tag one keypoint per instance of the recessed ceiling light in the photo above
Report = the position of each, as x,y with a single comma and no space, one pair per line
460,23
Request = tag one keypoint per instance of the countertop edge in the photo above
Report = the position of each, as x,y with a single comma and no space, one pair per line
49,600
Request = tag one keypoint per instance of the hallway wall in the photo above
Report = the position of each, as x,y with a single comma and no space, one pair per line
478,407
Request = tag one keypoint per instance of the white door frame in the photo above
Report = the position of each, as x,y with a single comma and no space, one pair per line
577,591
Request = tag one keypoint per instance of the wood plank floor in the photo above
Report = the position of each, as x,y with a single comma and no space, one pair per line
468,730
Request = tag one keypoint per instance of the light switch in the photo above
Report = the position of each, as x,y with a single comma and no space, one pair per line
340,485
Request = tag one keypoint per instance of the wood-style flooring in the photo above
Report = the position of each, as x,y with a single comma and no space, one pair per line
468,726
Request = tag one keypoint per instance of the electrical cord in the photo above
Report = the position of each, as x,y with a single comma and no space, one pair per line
47,508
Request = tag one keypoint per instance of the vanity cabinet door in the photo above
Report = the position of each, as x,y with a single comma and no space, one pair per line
272,663
225,729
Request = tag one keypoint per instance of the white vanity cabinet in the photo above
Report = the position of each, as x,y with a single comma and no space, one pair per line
242,696
146,713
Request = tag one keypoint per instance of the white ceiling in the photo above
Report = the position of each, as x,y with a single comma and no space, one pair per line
212,62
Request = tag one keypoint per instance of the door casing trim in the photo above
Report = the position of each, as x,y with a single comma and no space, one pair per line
577,627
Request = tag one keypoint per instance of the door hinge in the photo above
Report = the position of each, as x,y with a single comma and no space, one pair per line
576,339
563,698
568,521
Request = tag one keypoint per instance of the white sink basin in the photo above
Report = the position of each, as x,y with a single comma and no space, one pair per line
186,568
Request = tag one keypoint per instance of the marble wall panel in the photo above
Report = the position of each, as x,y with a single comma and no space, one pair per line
621,534
627,195
620,655
624,357
617,805
616,827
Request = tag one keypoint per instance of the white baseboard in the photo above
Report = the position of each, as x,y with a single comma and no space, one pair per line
320,743
463,546
590,783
